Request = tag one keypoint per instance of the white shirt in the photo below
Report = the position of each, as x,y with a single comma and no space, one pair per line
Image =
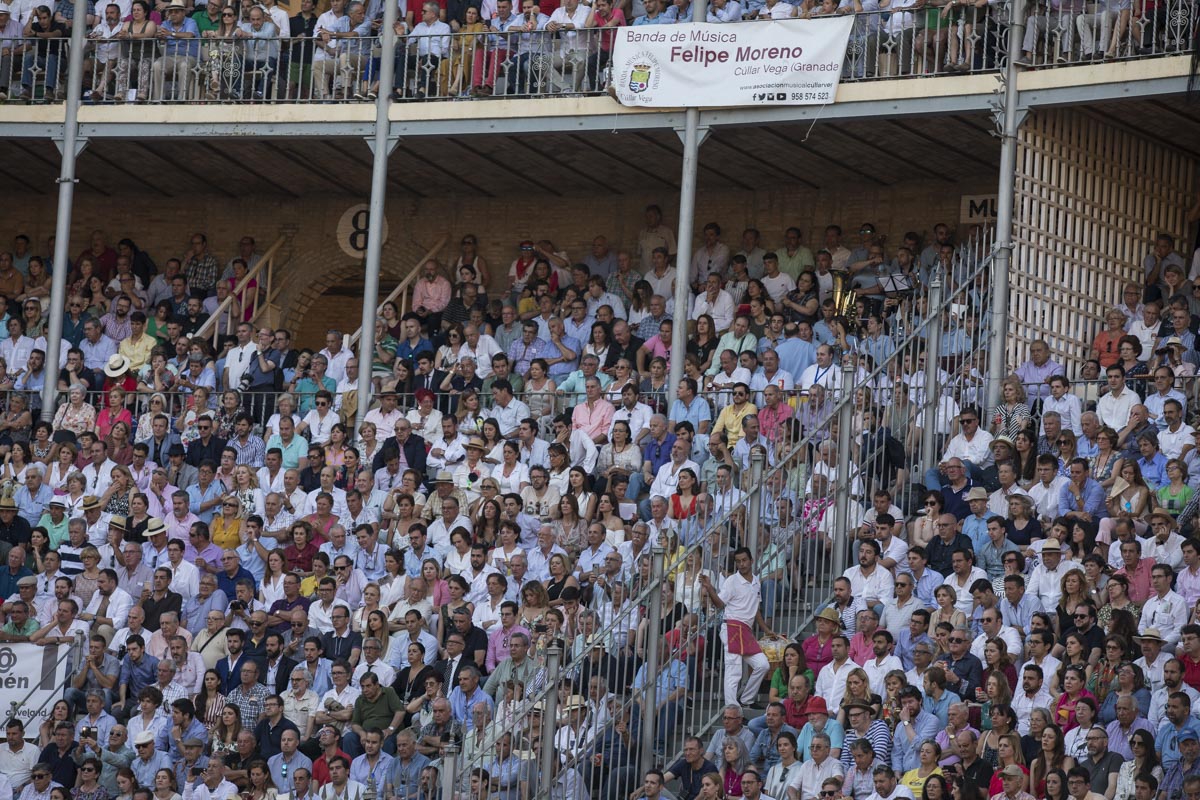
741,598
879,585
721,309
812,775
667,479
1070,411
781,284
573,39
1171,442
431,40
238,361
119,603
384,671
339,502
877,670
337,363
1047,583
185,579
1114,410
1045,498
998,500
1007,632
963,590
831,682
483,351
1168,614
978,450
98,478
1023,704
1154,672
1157,714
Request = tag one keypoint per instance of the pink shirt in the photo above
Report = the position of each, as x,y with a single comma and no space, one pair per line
769,420
594,421
435,295
656,347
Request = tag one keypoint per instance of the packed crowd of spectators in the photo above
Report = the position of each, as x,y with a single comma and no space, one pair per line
180,50
275,597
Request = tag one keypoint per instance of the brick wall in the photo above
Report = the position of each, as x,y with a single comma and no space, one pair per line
314,261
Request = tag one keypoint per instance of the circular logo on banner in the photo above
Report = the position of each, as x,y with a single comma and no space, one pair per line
638,78
8,659
352,230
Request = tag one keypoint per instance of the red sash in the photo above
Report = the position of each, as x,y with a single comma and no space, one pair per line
740,639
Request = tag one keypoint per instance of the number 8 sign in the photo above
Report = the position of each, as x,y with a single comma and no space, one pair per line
352,231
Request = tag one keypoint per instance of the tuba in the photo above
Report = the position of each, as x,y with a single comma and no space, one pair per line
843,295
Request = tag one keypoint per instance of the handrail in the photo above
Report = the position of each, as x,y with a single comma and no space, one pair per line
261,297
785,462
401,289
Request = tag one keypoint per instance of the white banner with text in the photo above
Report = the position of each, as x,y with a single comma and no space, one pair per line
781,62
31,679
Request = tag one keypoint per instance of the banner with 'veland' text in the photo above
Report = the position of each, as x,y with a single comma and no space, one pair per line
781,62
31,679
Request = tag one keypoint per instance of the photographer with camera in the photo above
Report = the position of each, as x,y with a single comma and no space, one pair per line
208,783
111,748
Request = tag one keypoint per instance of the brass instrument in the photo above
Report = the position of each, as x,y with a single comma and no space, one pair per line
844,297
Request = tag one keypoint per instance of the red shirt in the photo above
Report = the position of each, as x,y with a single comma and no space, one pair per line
320,772
1191,671
1139,580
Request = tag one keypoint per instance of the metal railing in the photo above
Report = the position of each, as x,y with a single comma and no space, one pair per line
233,309
400,293
254,66
798,513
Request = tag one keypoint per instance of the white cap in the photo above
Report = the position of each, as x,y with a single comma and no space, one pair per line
5,8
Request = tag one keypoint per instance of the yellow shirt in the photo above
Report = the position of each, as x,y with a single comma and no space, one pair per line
226,537
137,352
730,421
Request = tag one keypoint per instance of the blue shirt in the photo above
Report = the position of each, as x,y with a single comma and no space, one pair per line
30,507
196,496
228,585
940,708
904,750
658,454
167,744
905,644
138,676
406,778
925,586
975,529
878,348
461,705
669,681
1154,470
283,774
181,47
145,771
361,771
1093,499
565,367
1167,740
661,19
796,355
699,411
764,752
409,351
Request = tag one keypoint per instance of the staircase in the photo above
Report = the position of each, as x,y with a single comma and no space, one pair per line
829,473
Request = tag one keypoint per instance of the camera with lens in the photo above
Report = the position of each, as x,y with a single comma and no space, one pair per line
237,605
121,652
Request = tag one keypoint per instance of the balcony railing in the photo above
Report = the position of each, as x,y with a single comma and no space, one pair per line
939,37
